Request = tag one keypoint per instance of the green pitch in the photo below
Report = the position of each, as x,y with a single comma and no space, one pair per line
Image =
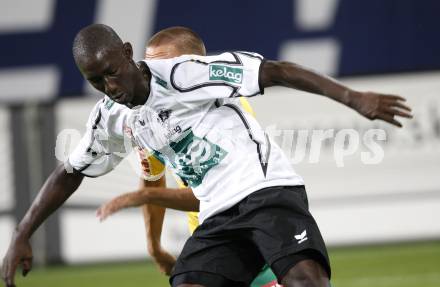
406,265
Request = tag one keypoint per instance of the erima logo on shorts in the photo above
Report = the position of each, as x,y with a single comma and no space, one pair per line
225,73
301,237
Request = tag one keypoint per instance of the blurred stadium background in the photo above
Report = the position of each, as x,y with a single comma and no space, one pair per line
380,220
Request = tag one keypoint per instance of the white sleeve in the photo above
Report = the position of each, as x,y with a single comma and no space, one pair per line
103,146
231,74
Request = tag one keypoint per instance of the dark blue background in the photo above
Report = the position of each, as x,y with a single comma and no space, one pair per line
376,36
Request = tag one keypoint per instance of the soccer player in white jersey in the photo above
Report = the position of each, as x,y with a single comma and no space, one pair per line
169,43
253,206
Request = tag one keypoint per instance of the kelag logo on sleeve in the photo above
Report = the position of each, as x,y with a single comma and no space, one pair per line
225,73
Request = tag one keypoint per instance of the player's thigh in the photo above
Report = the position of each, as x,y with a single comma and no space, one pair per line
285,227
307,272
217,261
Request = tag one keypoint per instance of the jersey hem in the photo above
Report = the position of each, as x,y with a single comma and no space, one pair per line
247,192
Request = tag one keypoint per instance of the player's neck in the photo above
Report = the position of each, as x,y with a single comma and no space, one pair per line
143,91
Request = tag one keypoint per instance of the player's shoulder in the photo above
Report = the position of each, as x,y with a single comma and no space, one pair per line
105,111
249,55
187,73
226,57
230,57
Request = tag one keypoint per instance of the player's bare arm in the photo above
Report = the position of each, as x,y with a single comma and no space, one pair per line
175,198
153,215
154,200
57,189
153,220
369,104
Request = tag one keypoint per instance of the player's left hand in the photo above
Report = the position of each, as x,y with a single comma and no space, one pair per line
380,106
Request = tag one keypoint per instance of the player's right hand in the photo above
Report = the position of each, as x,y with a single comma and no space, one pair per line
19,253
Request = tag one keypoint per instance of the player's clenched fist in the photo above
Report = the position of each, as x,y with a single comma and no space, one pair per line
19,253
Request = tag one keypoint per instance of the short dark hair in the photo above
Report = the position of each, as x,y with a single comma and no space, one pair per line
185,39
92,39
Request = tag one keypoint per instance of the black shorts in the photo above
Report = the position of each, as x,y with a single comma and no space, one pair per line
272,226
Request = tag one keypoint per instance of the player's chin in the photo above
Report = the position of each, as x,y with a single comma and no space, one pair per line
121,98
125,99
128,101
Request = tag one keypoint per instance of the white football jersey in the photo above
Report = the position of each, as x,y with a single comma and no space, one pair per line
192,122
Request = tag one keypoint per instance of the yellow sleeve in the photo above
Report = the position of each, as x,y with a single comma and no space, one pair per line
149,161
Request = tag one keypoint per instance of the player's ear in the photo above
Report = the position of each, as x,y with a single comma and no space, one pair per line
144,69
127,50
